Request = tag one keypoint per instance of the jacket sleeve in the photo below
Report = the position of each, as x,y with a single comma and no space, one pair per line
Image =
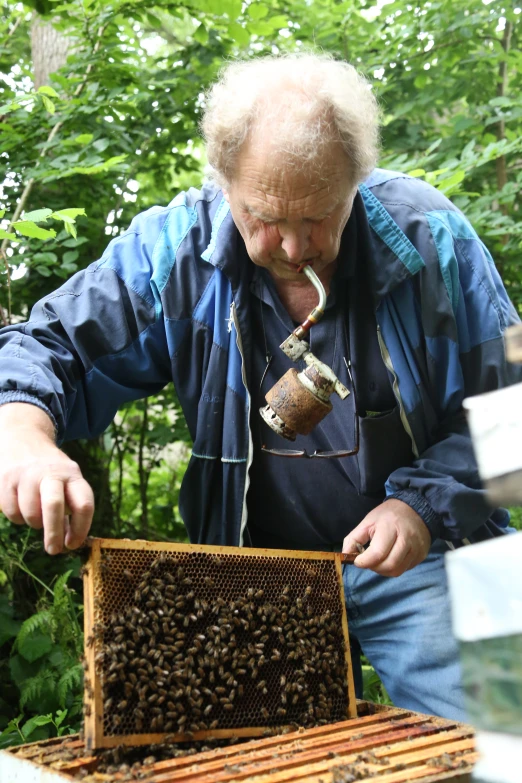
96,342
464,315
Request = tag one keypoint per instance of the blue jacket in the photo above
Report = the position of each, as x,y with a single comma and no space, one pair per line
169,300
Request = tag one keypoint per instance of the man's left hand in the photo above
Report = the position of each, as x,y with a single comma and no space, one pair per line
399,539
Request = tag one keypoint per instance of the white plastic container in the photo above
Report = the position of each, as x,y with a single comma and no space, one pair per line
495,422
485,582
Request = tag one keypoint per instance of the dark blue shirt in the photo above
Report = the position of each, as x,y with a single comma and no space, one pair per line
314,503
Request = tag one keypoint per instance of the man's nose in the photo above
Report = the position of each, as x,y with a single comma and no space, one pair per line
295,240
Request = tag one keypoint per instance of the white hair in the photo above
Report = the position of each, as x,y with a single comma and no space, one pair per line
301,103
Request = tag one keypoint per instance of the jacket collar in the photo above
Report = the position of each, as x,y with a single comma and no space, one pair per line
390,255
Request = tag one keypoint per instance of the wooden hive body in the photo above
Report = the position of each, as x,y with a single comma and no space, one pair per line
385,745
194,641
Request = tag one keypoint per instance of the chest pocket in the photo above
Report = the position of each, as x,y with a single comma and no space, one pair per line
384,447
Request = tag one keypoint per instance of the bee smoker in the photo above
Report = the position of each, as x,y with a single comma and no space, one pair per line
299,401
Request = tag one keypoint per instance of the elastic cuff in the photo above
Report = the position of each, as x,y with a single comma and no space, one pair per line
21,396
418,503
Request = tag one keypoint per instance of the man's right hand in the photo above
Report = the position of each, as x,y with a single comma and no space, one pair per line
39,485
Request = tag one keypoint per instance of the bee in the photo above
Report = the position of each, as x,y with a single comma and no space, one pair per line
209,582
281,711
264,712
228,707
214,724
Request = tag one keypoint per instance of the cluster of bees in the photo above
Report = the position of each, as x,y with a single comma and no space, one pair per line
179,658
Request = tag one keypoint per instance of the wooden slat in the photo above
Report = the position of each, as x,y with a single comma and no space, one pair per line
212,773
352,708
163,546
93,697
392,746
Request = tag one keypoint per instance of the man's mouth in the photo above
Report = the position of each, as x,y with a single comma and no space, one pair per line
299,264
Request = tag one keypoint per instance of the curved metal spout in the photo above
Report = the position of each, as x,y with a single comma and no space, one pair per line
318,311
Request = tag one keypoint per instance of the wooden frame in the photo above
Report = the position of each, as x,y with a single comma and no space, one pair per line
94,715
389,744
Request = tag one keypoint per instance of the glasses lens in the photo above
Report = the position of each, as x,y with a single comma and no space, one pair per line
284,452
330,454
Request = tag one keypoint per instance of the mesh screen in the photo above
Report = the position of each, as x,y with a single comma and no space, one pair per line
191,641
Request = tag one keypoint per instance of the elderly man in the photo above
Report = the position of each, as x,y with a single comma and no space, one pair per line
203,292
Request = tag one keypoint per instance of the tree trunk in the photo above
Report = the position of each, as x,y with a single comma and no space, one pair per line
49,50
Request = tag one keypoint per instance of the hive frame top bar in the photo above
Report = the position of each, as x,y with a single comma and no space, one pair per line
97,735
161,546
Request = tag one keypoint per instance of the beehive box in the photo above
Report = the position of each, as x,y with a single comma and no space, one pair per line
383,745
197,641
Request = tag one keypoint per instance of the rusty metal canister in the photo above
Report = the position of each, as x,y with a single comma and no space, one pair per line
299,408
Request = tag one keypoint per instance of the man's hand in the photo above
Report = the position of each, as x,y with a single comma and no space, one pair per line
39,484
399,539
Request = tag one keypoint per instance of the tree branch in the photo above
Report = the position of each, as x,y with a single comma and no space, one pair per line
29,185
12,30
502,88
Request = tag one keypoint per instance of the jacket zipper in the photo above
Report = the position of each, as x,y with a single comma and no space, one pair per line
250,456
389,366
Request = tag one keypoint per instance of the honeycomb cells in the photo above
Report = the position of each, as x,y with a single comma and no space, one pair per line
190,641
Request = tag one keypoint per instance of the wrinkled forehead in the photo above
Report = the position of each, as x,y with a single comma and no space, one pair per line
272,185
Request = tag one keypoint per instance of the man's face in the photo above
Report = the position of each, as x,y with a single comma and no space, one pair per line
287,216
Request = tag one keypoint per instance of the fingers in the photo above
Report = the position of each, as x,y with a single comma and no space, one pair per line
60,501
379,551
52,498
80,500
357,538
9,506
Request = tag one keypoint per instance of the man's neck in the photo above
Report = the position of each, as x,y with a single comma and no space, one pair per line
299,297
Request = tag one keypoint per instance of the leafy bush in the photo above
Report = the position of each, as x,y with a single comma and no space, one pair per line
40,663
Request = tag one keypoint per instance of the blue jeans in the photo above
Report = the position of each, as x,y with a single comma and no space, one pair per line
403,626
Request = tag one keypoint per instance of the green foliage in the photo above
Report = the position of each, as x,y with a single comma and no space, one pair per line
40,657
373,689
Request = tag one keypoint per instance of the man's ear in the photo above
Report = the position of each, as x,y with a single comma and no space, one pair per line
226,195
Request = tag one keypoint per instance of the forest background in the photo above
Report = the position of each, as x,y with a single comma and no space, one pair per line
99,121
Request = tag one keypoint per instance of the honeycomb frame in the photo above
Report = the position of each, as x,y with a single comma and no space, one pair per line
175,629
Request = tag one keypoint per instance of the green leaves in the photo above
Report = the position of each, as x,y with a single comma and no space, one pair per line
257,10
29,229
9,627
38,215
239,33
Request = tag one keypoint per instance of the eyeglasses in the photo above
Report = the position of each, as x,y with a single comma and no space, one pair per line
298,453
